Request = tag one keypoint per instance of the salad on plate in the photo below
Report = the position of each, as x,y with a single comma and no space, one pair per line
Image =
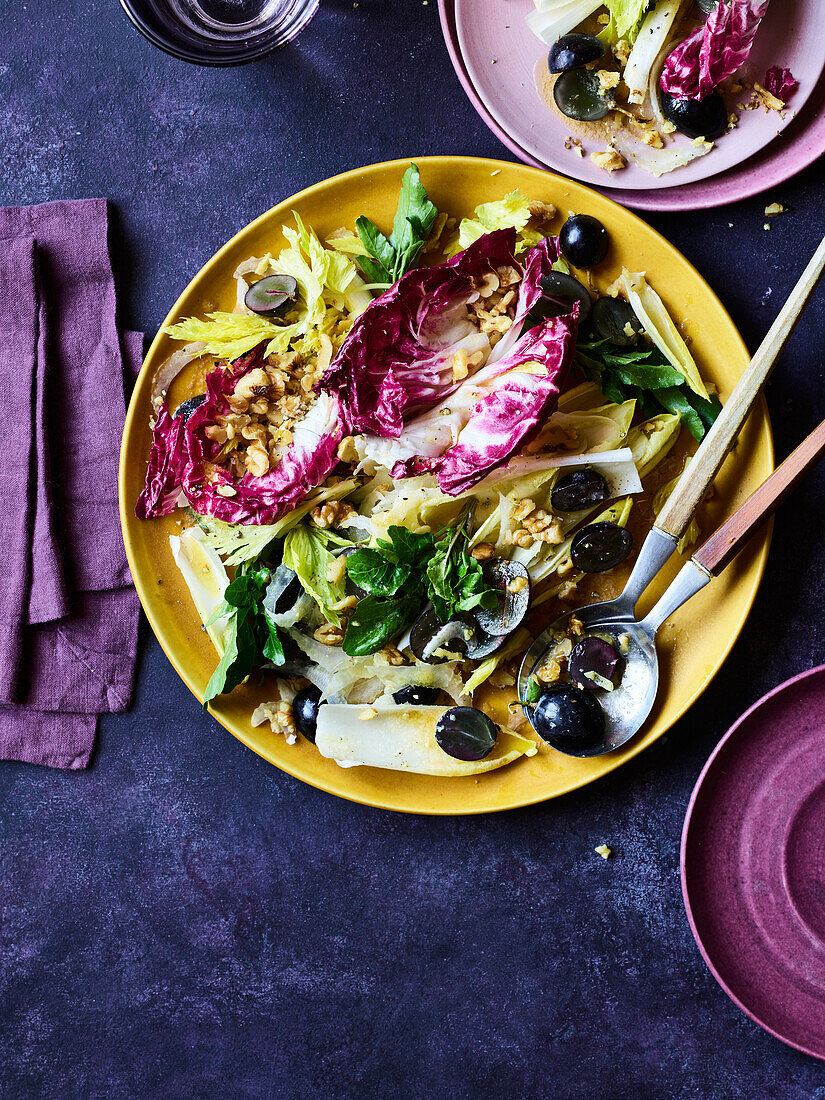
400,451
656,83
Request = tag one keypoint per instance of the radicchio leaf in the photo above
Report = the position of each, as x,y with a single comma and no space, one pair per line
517,402
167,461
538,262
781,83
182,457
715,51
398,355
486,419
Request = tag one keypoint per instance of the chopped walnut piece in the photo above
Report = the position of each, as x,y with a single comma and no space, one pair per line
541,211
574,144
507,276
550,672
652,138
608,80
392,655
347,451
567,589
523,508
621,51
483,552
575,626
769,101
254,382
331,514
280,718
257,460
522,538
774,209
463,361
516,585
329,634
610,160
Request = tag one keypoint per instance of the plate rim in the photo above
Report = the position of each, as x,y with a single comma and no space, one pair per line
127,518
660,200
779,689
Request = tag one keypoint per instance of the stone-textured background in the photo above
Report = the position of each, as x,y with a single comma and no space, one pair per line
184,920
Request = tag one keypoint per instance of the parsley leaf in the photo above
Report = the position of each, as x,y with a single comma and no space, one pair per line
252,636
643,374
390,258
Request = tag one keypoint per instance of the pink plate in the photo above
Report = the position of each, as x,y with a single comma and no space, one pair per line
753,862
799,145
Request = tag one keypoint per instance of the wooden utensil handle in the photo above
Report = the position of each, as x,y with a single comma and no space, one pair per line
704,466
726,543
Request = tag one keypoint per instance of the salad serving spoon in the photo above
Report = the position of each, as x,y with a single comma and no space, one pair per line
627,707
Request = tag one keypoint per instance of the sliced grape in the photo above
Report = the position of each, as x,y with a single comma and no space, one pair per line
273,295
466,733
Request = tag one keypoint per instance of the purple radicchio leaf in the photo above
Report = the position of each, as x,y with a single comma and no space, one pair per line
397,357
714,51
488,417
182,457
781,83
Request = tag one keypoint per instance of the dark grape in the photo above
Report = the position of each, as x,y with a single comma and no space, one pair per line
466,733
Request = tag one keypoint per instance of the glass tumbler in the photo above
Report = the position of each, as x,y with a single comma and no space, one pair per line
219,32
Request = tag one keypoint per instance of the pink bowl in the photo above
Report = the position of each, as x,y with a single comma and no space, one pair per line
799,145
753,862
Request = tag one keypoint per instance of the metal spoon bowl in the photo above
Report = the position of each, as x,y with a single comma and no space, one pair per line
630,702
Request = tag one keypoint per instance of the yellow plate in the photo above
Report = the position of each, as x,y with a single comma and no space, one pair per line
692,648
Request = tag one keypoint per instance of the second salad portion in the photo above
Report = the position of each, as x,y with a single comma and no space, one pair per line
395,449
656,84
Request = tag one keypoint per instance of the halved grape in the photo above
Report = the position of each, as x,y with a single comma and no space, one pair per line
578,490
305,711
435,642
571,51
283,590
569,719
416,695
593,655
513,583
272,295
697,118
559,294
187,407
583,240
577,95
466,733
599,547
614,320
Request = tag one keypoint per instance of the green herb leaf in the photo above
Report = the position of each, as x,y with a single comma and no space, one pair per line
376,573
381,268
676,400
273,650
644,374
533,691
377,620
414,218
649,376
251,637
407,547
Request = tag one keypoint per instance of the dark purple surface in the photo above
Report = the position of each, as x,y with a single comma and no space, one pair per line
184,920
753,868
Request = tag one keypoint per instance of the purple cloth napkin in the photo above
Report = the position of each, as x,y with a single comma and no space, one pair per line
69,616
